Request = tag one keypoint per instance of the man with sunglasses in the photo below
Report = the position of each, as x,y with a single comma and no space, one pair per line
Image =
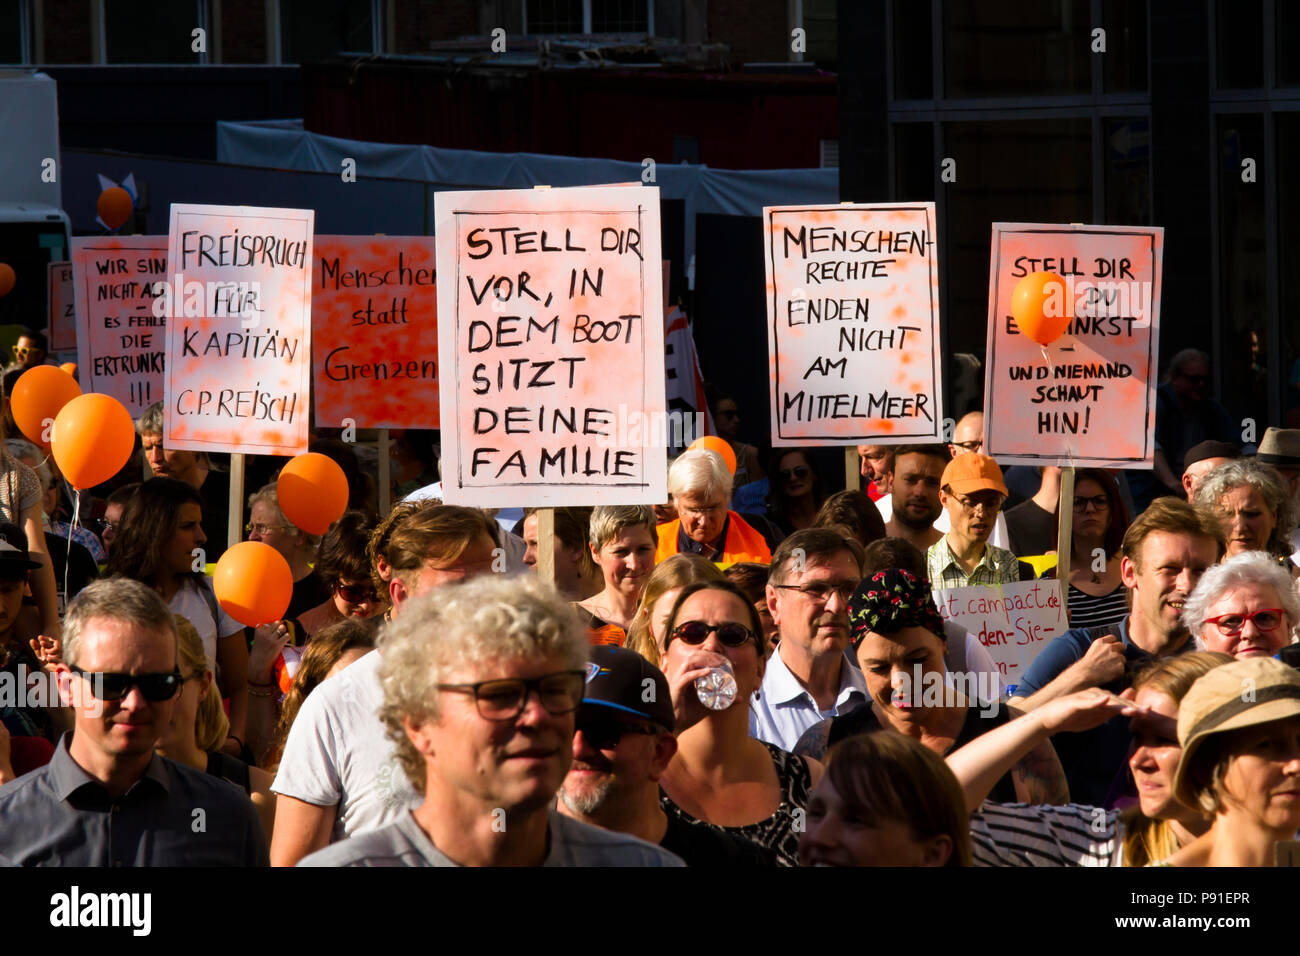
106,799
809,677
971,491
623,742
30,350
480,686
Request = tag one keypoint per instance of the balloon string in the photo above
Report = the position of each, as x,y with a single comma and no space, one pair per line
67,554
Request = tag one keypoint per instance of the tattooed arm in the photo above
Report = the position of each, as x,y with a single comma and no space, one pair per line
1039,777
1017,746
813,742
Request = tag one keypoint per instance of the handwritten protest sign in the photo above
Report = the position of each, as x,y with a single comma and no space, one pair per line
63,307
120,341
1014,622
1091,401
375,327
238,301
853,324
552,343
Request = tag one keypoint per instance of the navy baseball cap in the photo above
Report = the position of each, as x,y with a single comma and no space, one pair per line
624,681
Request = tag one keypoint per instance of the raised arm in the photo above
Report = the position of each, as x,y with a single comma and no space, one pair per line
982,762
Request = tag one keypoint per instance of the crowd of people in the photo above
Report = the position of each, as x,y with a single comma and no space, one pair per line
733,677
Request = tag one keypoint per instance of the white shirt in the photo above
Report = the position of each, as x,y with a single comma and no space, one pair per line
999,538
194,607
338,754
783,709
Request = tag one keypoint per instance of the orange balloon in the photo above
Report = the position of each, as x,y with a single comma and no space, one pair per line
253,583
7,278
70,368
313,492
115,206
39,395
717,445
92,439
1039,307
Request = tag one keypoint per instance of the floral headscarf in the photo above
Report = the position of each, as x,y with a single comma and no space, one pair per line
890,600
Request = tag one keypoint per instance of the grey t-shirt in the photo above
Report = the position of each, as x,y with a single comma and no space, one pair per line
403,843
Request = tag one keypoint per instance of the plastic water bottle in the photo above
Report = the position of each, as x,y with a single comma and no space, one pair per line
717,689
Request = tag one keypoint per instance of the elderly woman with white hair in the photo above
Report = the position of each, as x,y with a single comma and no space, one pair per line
1245,607
1253,506
700,484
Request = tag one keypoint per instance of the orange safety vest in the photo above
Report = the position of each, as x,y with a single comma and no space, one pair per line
743,543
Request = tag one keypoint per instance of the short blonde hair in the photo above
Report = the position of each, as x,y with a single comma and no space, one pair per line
607,521
461,627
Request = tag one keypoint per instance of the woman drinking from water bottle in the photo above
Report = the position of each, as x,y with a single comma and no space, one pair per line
720,775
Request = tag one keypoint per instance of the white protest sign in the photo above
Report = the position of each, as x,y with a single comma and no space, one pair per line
551,339
120,342
238,304
1014,622
1091,400
853,324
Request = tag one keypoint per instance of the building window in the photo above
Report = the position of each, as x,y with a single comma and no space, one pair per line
1238,28
543,17
142,31
322,29
913,51
1017,48
15,31
1288,218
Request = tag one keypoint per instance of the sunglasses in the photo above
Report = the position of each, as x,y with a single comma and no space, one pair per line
605,733
798,471
105,685
356,593
729,633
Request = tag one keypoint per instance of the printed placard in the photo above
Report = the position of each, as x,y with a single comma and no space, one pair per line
1014,622
1090,400
238,300
375,331
853,324
62,323
552,343
121,340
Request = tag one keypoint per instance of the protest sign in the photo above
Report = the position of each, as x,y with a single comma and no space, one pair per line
120,341
238,303
375,327
853,324
552,346
63,307
1091,400
1014,622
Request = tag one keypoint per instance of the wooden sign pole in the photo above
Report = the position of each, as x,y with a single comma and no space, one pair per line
852,469
235,526
1064,546
385,472
546,531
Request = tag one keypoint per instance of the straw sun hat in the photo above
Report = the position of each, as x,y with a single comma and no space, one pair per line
1244,693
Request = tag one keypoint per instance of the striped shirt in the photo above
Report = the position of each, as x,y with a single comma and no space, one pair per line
1090,611
1016,834
996,566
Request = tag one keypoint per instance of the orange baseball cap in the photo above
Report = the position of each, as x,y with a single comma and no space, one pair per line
973,472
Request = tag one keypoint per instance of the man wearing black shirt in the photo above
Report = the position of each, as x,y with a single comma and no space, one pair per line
622,743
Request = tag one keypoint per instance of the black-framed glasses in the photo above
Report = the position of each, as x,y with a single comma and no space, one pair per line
821,591
798,471
1230,625
974,445
988,506
560,693
1096,503
357,593
729,633
106,685
605,733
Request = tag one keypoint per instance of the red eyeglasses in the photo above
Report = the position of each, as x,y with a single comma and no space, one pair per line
1230,625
